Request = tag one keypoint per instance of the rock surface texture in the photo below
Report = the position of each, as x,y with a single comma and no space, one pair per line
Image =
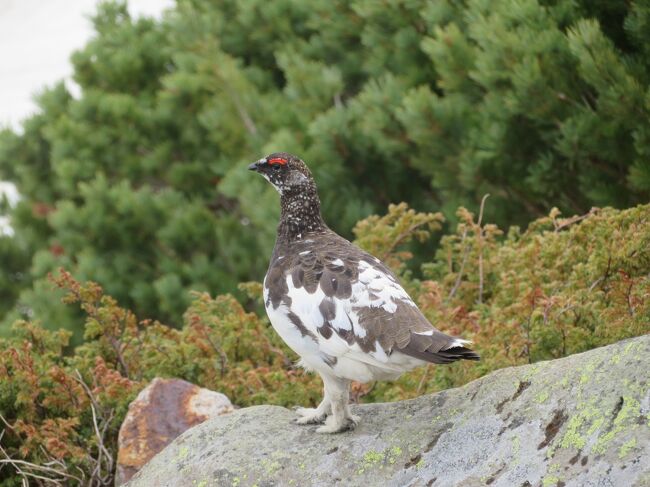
578,421
162,411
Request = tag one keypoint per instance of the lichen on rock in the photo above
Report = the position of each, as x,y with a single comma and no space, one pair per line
580,420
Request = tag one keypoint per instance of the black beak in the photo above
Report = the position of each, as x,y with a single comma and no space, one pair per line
255,166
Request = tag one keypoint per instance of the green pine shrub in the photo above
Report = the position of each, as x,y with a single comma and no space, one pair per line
564,285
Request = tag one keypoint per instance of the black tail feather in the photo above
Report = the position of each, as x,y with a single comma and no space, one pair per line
459,353
438,349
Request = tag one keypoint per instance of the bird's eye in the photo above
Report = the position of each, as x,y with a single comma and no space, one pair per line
276,167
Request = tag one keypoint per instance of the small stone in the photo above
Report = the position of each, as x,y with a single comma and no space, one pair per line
161,412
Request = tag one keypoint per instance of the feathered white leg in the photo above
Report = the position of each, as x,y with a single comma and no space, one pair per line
315,415
338,392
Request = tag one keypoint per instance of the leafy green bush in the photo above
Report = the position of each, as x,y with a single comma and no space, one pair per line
140,183
564,285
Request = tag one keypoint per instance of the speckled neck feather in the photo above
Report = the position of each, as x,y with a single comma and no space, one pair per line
300,212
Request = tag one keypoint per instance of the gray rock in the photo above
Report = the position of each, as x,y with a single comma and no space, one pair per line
577,421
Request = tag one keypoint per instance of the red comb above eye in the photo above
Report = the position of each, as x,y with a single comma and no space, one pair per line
277,160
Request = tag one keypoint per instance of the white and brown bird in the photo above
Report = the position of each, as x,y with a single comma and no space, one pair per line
338,307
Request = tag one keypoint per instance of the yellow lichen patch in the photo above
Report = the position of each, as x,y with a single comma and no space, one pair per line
542,396
516,445
370,459
630,410
550,480
271,466
573,438
394,452
532,370
587,372
626,447
632,347
183,451
373,458
590,419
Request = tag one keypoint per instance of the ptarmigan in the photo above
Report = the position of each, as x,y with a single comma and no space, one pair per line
338,307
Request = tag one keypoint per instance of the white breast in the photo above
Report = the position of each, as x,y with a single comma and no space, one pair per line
375,289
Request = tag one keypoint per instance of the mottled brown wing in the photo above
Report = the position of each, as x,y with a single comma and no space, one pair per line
330,272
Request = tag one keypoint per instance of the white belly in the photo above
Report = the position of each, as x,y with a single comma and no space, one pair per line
316,352
302,345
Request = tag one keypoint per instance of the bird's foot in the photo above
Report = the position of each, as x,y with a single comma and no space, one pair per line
309,416
339,425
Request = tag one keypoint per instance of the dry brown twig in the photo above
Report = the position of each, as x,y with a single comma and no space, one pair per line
55,471
480,249
479,233
28,470
565,222
104,457
424,377
462,266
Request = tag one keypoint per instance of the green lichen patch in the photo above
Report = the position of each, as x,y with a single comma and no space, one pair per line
580,425
632,347
542,396
436,419
375,459
529,374
587,372
271,466
550,480
629,411
591,419
516,445
626,448
393,454
370,459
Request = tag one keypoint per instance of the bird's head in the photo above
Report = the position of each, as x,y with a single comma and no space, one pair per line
286,172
